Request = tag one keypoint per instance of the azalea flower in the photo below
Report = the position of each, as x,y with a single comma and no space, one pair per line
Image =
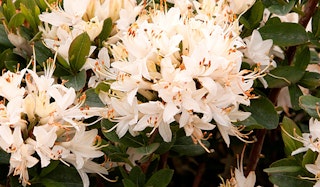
258,50
309,140
314,169
238,178
82,146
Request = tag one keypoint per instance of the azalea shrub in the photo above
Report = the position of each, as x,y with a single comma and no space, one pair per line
160,93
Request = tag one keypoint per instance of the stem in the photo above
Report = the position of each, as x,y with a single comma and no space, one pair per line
144,166
198,177
309,10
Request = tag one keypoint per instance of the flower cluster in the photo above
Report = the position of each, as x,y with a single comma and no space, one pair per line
40,116
181,64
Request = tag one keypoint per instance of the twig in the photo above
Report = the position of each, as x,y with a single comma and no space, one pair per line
198,177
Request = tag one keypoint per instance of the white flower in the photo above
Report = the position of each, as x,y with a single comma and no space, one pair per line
240,6
82,145
87,167
315,169
45,138
10,85
125,114
72,13
20,161
258,50
154,116
309,140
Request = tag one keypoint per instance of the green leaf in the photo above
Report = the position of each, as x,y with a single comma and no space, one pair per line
310,80
4,41
160,179
128,183
315,23
102,87
283,76
302,57
4,157
289,127
9,9
282,169
16,20
137,176
295,92
252,18
309,157
62,176
106,29
77,81
281,9
185,146
263,111
284,34
146,150
310,104
53,165
92,99
79,51
284,180
30,17
127,139
64,63
42,52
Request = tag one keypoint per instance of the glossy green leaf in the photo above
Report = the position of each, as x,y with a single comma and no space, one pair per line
16,20
160,179
42,52
116,153
127,140
30,17
315,23
281,9
4,157
284,180
282,169
185,146
79,51
92,99
289,127
302,57
4,41
53,165
252,18
106,29
128,183
62,176
8,9
284,34
295,92
102,87
309,157
146,150
310,80
283,76
137,176
310,104
77,81
266,116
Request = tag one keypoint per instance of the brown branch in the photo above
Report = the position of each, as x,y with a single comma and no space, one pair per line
198,177
309,9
